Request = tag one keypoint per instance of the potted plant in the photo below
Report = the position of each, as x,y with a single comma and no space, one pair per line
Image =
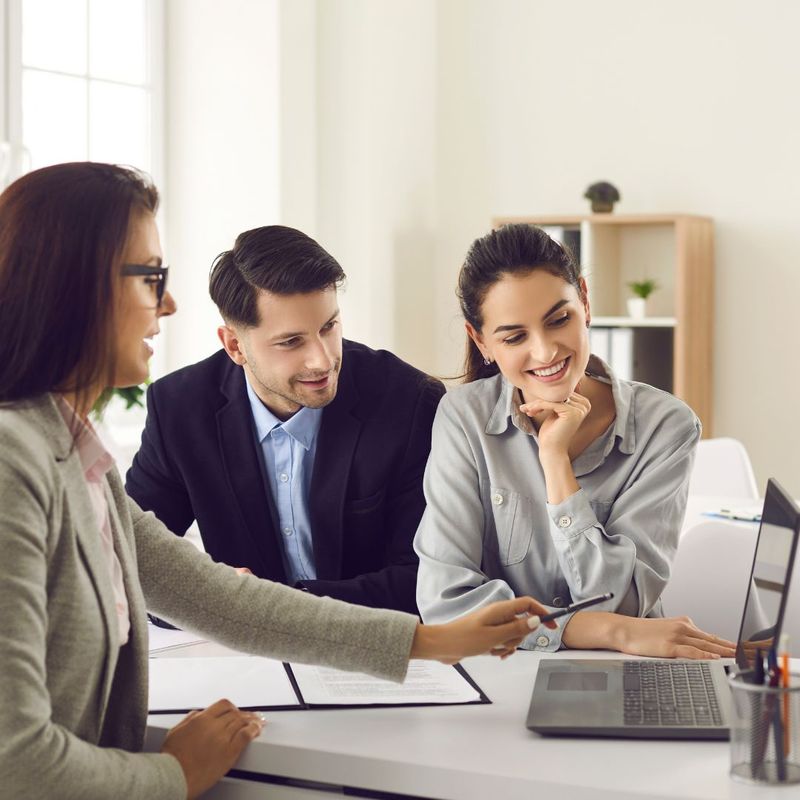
132,396
637,305
602,196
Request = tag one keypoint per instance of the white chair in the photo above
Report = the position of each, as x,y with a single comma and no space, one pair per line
709,580
722,468
709,576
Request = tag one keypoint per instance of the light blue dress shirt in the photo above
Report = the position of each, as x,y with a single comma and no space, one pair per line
289,448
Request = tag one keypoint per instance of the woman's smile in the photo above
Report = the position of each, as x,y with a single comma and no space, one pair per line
553,373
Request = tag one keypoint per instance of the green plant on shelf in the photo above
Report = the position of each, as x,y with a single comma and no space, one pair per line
133,397
643,289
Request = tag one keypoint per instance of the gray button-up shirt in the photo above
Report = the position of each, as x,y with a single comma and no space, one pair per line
488,532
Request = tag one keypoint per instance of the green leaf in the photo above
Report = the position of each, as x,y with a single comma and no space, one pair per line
644,288
132,395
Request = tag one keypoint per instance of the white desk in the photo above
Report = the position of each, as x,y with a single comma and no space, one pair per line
469,752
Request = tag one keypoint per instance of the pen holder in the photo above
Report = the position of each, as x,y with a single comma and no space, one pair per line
765,732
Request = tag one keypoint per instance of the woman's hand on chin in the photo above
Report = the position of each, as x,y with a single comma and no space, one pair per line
670,637
558,428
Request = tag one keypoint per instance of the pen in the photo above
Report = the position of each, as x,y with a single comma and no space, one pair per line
785,681
535,621
738,514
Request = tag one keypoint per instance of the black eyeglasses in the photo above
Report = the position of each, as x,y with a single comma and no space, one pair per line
158,276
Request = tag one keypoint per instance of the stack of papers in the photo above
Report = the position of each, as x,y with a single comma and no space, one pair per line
163,639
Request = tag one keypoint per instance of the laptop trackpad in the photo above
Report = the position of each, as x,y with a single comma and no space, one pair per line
576,696
577,681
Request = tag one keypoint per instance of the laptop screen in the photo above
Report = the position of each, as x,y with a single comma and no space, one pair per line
769,580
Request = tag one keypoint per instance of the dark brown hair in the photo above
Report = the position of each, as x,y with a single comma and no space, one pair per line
275,259
63,230
517,249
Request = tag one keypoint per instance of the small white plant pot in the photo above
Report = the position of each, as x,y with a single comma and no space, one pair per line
637,307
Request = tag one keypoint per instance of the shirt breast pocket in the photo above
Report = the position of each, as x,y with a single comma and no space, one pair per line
602,510
513,523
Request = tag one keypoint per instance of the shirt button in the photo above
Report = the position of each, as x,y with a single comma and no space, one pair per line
542,641
284,477
564,522
287,531
497,499
558,602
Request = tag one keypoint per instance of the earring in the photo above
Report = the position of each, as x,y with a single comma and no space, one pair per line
487,361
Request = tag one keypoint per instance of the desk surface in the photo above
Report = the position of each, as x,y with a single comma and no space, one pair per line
478,752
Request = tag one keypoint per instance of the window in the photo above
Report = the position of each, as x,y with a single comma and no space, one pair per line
84,81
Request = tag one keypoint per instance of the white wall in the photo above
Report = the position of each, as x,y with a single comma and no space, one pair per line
376,143
222,177
402,128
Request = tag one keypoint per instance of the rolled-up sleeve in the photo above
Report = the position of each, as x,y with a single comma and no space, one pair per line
631,555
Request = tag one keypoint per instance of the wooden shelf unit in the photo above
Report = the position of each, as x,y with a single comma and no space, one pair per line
676,250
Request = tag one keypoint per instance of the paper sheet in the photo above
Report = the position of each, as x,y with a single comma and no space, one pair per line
426,682
247,681
160,639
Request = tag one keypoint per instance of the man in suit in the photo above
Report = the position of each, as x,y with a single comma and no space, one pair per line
300,454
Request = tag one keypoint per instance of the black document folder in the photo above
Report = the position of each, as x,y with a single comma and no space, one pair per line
178,685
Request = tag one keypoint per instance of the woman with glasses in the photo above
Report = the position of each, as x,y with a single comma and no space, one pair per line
82,289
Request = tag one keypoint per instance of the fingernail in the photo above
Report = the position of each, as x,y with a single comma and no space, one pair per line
534,622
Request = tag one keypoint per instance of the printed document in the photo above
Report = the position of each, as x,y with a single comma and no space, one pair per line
426,682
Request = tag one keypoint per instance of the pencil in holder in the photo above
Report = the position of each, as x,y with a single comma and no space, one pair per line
765,732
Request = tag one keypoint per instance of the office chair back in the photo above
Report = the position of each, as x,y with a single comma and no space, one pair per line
722,468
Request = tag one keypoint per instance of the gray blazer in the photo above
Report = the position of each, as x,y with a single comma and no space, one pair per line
73,704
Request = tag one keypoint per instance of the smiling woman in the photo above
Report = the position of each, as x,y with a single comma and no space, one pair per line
548,474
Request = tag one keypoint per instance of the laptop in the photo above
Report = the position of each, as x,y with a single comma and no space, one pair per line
669,698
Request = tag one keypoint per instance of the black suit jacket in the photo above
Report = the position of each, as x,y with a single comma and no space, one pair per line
199,460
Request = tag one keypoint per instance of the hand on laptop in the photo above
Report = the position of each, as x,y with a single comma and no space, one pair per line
498,628
671,637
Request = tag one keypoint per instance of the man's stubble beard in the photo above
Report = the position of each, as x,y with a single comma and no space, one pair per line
288,395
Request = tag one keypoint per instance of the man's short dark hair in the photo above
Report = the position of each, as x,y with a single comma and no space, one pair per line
275,259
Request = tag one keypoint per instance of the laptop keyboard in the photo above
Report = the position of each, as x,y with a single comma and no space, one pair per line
662,693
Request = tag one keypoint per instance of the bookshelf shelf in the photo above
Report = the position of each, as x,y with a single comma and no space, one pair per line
671,349
630,322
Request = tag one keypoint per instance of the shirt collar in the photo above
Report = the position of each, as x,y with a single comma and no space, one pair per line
507,407
302,426
95,459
